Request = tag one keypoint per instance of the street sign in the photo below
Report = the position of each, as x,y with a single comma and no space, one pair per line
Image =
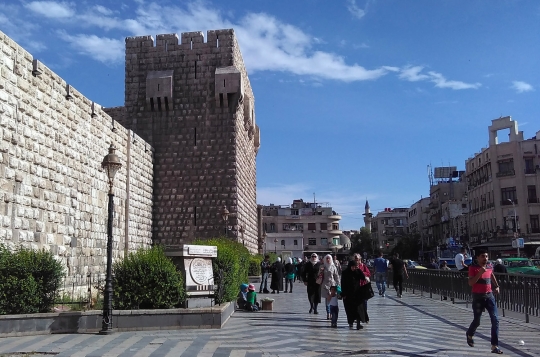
520,242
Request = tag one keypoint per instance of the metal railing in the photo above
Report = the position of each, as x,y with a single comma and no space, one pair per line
518,293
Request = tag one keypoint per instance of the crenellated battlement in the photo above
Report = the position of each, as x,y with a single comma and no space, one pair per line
186,40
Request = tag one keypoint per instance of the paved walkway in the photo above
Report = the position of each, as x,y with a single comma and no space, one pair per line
411,326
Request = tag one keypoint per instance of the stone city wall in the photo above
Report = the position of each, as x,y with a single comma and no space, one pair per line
53,193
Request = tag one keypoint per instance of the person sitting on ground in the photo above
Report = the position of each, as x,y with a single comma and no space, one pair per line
444,266
252,304
241,298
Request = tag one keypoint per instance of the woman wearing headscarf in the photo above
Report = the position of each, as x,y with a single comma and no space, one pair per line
367,274
350,283
330,278
289,274
277,276
309,276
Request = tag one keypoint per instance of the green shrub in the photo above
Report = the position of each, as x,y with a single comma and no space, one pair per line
230,267
255,265
147,279
29,281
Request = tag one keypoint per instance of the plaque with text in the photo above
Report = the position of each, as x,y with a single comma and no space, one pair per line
201,271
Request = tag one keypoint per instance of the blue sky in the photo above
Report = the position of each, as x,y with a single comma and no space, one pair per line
354,98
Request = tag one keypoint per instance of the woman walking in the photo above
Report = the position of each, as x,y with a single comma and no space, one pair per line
309,276
350,284
330,278
289,274
277,276
364,317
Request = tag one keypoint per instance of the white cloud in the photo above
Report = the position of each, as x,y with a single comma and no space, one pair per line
441,82
20,30
522,87
51,9
106,50
355,10
103,10
412,74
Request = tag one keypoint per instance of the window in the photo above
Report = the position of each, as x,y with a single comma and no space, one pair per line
265,227
294,212
283,242
335,241
311,226
529,166
312,241
324,226
506,167
324,241
335,226
535,224
293,226
295,242
508,193
272,227
531,194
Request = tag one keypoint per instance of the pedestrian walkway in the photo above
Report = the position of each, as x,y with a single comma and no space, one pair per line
411,326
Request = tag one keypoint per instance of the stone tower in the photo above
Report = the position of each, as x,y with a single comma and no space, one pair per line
367,216
193,102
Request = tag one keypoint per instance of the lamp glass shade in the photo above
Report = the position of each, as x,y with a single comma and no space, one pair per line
111,164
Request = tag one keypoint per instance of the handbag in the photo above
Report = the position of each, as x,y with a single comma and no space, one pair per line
320,277
366,292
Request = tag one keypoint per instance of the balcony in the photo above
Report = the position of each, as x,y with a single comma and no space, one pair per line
508,203
530,171
334,232
533,200
334,217
506,173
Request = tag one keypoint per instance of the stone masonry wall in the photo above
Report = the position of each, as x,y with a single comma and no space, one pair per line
186,97
53,193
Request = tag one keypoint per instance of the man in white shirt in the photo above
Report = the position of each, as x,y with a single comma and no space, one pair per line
460,261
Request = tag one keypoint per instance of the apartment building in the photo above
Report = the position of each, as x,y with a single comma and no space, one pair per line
388,226
417,219
302,228
503,181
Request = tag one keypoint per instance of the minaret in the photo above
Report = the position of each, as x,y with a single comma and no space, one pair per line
367,217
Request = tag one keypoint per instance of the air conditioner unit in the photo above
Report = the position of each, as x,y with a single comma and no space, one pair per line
312,231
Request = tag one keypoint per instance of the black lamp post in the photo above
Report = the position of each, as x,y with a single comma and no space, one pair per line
225,217
111,164
264,242
275,245
515,223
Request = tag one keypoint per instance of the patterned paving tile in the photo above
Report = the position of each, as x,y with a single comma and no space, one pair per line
412,326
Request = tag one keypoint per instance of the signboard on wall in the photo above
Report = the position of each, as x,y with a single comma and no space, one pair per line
444,172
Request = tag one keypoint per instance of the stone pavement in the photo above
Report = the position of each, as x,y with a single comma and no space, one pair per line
411,326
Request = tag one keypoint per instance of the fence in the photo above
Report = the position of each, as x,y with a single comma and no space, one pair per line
518,293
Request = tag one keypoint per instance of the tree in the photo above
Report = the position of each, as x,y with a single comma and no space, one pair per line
408,246
362,242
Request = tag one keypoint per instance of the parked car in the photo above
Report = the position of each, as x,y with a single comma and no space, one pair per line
520,266
536,262
411,264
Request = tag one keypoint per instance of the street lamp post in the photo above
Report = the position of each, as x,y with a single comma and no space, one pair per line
111,164
264,242
515,224
225,217
275,245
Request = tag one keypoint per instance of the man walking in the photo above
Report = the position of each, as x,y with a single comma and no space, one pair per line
265,271
481,279
398,267
460,260
381,269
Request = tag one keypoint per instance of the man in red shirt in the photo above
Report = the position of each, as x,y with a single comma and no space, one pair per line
481,279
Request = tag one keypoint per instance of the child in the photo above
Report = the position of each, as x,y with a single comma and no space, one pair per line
334,309
252,304
242,297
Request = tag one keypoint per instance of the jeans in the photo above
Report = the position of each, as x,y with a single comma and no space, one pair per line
478,305
288,282
334,312
264,283
380,279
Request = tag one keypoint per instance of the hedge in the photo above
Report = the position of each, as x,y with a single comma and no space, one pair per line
230,267
29,281
147,279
